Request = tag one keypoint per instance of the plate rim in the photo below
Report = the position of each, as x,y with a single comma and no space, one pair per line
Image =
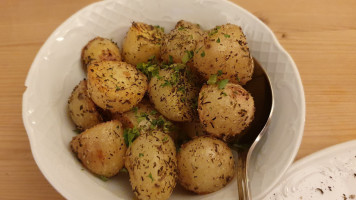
30,134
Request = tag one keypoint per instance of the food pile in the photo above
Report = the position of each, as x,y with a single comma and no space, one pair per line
163,107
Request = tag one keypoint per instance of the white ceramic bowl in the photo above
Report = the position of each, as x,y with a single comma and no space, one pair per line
57,69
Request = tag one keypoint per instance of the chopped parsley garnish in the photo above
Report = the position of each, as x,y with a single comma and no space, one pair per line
222,83
149,69
135,109
103,178
218,27
218,40
198,49
130,135
227,35
142,116
237,78
170,59
187,56
213,32
77,130
140,155
153,112
166,83
123,170
212,79
223,93
118,88
150,176
220,72
202,54
181,28
158,27
165,139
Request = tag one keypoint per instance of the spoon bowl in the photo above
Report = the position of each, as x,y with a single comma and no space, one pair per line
261,90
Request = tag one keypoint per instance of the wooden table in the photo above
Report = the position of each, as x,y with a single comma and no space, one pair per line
320,36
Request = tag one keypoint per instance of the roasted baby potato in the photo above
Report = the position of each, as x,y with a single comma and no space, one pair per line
205,165
99,49
141,43
226,112
101,148
82,109
115,86
180,41
145,118
224,49
174,93
152,165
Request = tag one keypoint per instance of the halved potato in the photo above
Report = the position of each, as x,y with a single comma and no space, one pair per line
82,109
99,49
141,43
101,148
115,86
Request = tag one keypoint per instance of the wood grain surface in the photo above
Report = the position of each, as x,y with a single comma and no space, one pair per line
319,35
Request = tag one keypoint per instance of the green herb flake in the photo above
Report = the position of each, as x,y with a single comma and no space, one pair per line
170,59
218,40
78,131
237,78
130,135
220,72
202,54
134,109
181,28
103,178
222,83
150,176
153,112
213,32
218,27
160,28
212,79
123,170
187,56
223,93
118,88
227,35
166,83
165,139
140,155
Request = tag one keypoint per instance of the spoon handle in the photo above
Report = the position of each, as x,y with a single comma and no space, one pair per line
242,180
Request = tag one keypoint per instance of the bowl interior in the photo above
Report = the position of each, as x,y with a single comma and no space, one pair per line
57,69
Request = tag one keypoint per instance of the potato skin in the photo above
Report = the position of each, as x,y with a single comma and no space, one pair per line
115,86
82,109
226,112
144,117
205,165
101,148
152,165
174,101
184,37
225,48
99,49
141,42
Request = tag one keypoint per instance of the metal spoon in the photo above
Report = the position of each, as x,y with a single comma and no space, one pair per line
261,90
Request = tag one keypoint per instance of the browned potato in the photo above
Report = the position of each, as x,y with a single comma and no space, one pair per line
141,43
99,49
173,93
225,49
82,109
181,40
144,117
226,112
115,86
152,165
101,148
205,165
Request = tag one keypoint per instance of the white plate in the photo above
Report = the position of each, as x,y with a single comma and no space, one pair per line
56,70
327,174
